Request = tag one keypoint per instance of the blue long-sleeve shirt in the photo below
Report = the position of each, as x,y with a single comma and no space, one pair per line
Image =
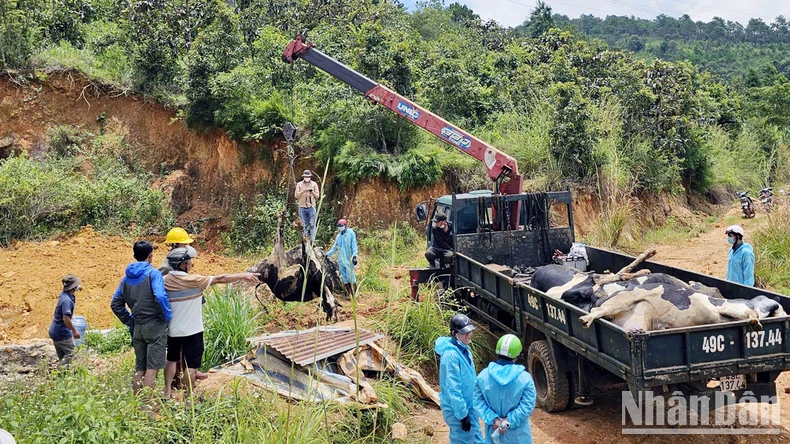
142,289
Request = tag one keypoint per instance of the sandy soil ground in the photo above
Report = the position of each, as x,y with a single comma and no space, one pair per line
30,274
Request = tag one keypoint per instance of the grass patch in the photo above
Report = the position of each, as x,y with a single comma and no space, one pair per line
772,249
674,231
375,425
229,320
414,326
115,341
111,66
400,244
87,406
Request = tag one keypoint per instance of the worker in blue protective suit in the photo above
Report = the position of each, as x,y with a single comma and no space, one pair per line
457,382
740,265
505,396
345,247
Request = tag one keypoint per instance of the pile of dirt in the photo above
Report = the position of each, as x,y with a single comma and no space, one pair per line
30,280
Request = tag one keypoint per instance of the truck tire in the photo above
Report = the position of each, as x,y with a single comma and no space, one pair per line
551,385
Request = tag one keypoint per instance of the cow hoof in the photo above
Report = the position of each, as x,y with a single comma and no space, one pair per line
585,321
756,325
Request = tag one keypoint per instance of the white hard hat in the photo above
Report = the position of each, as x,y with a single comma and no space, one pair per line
6,438
737,229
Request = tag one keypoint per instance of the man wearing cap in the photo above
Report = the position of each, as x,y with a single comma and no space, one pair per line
142,290
505,395
61,330
176,237
457,382
185,292
441,242
307,194
740,265
345,247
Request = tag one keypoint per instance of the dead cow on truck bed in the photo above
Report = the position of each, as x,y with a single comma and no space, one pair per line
661,306
284,273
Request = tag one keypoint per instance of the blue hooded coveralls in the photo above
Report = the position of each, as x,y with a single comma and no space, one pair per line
740,265
505,390
457,382
346,248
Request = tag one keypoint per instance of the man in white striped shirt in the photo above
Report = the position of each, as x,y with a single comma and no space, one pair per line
185,293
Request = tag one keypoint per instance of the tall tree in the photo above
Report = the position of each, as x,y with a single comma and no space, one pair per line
540,19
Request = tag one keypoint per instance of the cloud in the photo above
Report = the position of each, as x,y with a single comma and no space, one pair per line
514,12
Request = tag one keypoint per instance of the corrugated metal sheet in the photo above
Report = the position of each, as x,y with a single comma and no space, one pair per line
310,346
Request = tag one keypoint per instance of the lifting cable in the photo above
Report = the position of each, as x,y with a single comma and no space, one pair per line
289,132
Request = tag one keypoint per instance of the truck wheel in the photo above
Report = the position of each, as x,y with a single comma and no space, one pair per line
552,386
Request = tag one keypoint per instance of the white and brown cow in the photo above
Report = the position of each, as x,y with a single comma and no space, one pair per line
661,306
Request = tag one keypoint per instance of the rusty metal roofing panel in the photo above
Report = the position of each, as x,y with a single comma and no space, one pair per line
310,346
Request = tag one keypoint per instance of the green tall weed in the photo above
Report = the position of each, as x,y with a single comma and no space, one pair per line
229,319
772,248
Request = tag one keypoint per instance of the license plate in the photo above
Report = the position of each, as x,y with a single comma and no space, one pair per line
733,383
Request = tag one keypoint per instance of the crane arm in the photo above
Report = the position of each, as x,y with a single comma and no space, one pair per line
498,164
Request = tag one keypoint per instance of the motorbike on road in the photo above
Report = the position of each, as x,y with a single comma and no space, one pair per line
767,199
746,204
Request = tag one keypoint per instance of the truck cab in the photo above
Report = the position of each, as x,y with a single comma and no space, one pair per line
464,221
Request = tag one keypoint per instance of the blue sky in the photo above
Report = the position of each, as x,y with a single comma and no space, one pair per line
513,12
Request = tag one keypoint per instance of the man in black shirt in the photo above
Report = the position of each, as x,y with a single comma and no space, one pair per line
442,242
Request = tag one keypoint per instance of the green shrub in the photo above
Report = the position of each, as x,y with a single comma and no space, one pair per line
247,116
229,320
354,165
65,140
253,224
416,325
772,249
415,168
40,198
115,341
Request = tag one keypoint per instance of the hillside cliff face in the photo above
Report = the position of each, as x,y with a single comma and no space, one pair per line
204,172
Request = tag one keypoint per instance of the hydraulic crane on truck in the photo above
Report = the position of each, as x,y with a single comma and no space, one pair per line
501,168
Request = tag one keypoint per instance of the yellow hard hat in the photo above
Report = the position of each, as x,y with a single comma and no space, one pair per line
178,235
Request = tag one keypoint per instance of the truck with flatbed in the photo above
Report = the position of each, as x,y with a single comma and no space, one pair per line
489,269
501,235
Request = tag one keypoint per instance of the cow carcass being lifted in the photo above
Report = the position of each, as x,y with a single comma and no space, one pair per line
300,274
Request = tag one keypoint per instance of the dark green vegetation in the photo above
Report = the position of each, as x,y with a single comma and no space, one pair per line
84,179
571,110
89,406
724,47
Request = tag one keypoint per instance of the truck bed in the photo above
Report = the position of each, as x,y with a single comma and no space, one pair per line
673,356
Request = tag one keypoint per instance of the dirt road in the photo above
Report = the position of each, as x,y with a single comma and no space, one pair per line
707,253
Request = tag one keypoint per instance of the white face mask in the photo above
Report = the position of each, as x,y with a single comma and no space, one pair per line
306,179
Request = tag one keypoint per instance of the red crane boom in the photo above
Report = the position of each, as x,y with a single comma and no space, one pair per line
499,166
